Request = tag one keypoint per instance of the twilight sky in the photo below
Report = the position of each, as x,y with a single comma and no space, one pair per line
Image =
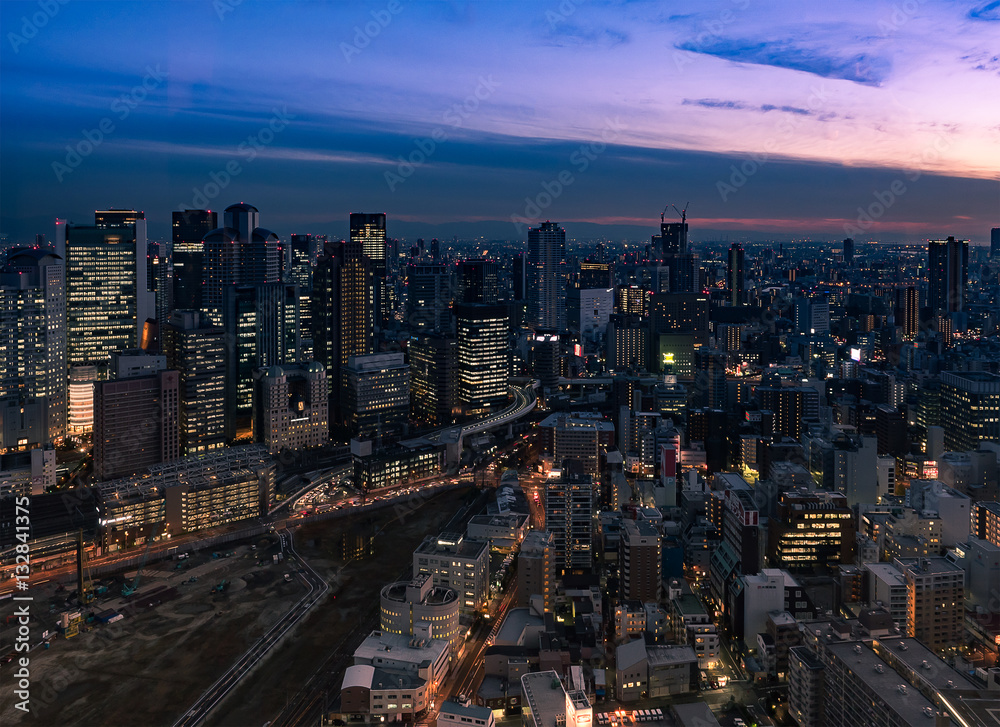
777,119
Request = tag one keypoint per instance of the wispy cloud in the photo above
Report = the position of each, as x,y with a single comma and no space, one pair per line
989,12
860,68
714,103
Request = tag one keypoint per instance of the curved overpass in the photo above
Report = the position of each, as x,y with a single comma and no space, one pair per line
525,400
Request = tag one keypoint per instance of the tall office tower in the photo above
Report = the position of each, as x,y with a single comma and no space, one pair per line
478,281
483,356
536,569
188,229
811,530
343,313
791,406
377,389
33,390
812,315
628,343
935,601
197,350
238,253
291,406
736,276
368,230
262,326
710,390
520,279
595,275
995,242
433,377
135,424
569,513
112,218
970,409
303,254
428,297
160,278
80,415
907,311
107,301
849,252
306,249
632,300
947,275
673,238
639,562
435,249
546,276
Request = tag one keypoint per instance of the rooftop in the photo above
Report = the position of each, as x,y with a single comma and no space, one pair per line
463,711
670,655
452,544
545,697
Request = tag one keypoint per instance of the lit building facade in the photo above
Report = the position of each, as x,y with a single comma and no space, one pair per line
970,409
197,350
483,356
546,276
107,301
433,377
377,395
291,406
32,347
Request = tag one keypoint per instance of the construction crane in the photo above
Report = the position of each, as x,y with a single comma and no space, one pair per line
84,584
683,212
128,590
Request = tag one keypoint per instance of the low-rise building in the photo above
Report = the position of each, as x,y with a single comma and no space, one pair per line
418,607
454,561
502,531
546,703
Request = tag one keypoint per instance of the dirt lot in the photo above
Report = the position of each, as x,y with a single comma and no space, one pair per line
148,668
335,625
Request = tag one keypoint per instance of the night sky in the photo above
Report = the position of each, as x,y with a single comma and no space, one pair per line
777,119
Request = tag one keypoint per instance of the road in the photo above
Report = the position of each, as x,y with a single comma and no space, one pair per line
213,696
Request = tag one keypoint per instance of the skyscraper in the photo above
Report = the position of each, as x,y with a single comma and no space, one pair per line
546,276
428,296
483,356
569,511
368,230
188,229
849,251
970,409
238,253
433,377
947,275
135,424
343,312
33,388
736,275
262,325
107,301
197,350
995,242
907,312
478,281
160,278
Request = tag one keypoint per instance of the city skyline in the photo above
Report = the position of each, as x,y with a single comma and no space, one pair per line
769,126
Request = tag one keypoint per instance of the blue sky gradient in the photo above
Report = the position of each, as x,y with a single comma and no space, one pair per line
784,119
